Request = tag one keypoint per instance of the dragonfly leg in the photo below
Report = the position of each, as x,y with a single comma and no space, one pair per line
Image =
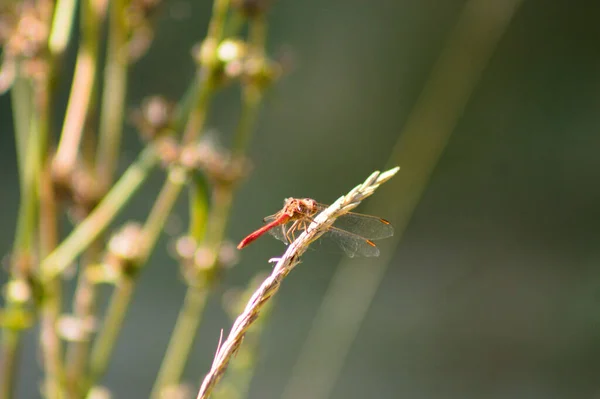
291,231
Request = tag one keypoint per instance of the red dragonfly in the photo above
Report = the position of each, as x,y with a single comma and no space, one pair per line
353,232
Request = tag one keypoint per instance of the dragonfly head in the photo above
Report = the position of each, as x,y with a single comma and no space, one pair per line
307,206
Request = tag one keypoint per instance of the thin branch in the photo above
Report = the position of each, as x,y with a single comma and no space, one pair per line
11,340
103,346
82,89
90,228
114,94
284,266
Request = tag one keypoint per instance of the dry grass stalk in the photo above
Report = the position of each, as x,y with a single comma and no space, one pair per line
284,265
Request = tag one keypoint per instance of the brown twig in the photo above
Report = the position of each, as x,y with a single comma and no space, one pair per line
284,266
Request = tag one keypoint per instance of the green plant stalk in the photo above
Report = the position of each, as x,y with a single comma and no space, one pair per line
114,93
109,143
11,343
82,89
216,27
26,139
206,79
242,370
104,344
84,302
97,221
190,315
197,116
53,386
51,306
181,340
62,26
21,106
48,231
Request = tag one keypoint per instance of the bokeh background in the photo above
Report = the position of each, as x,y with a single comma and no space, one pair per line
493,290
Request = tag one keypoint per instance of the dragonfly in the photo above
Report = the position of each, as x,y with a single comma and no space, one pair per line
353,232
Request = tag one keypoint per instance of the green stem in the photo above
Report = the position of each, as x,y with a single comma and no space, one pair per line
84,302
181,341
251,92
53,386
11,340
97,221
198,113
216,27
104,345
51,306
62,26
21,105
84,82
206,77
27,144
27,139
114,93
190,315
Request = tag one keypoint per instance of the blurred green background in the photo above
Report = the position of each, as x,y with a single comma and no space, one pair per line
494,290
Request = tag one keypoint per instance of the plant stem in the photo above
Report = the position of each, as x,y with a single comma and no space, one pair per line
104,344
84,82
62,26
48,230
97,221
21,106
84,302
11,340
181,340
206,78
190,315
114,93
26,145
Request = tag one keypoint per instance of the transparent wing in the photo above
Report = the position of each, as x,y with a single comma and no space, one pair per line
279,233
367,226
352,244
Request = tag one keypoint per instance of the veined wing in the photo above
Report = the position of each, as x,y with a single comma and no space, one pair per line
367,226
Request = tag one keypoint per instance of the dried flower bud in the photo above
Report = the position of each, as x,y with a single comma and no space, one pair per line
168,150
24,30
99,392
185,247
76,329
103,273
18,291
261,72
228,256
225,60
216,163
154,117
205,258
125,249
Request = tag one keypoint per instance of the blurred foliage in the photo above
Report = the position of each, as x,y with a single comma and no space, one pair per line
493,290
